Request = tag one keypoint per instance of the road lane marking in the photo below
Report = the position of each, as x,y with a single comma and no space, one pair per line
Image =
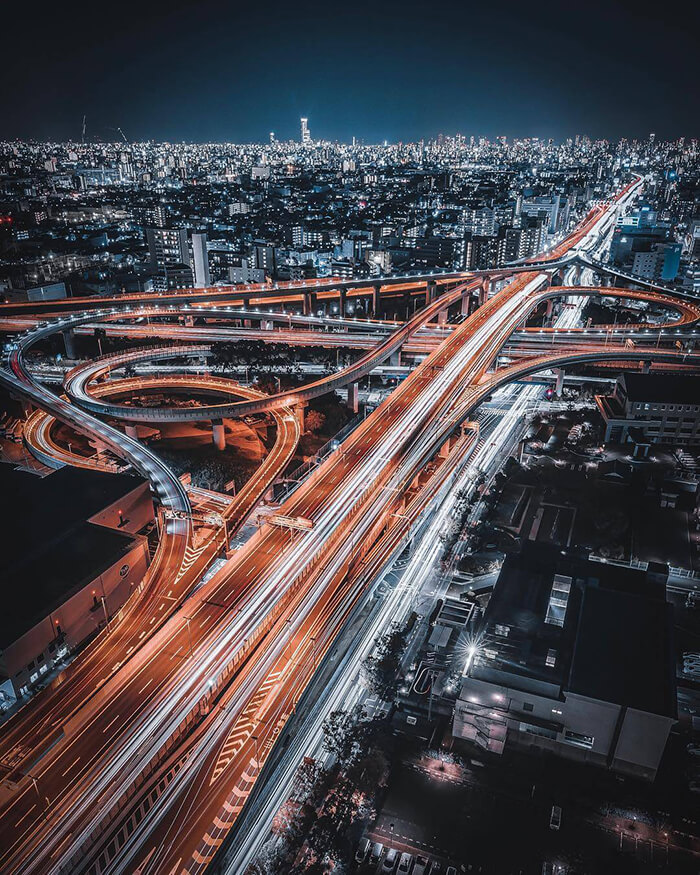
63,774
110,723
26,814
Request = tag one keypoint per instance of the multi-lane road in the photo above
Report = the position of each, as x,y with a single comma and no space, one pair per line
197,699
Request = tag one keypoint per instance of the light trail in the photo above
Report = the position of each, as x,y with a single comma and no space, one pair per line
391,446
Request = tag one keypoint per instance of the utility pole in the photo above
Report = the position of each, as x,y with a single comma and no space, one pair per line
433,676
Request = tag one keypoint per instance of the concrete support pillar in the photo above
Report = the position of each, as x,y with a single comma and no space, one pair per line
299,410
27,408
341,302
395,359
646,367
376,298
442,317
218,434
69,343
131,431
308,304
482,294
266,324
189,321
560,373
247,323
353,401
550,308
464,304
430,292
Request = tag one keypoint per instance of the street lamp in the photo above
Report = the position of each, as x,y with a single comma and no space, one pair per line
257,752
472,650
189,635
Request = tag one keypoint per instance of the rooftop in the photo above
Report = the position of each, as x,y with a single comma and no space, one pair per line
598,629
663,388
623,649
50,548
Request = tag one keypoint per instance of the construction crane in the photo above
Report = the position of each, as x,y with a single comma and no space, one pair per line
119,131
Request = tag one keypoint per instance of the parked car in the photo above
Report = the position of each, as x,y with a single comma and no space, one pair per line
555,817
405,863
363,850
390,861
421,867
376,855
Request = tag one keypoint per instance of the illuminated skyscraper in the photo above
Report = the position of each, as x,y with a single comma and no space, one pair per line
305,133
200,260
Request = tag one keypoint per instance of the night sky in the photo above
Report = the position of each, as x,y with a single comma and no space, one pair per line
234,71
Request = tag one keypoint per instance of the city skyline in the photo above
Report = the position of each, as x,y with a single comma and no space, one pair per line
350,439
169,73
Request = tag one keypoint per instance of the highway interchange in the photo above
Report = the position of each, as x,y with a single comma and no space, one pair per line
143,757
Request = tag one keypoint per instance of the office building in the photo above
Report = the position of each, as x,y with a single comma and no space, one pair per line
555,209
167,247
576,660
67,584
200,261
657,408
661,262
305,133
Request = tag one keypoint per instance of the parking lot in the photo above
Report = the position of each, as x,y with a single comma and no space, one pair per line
493,820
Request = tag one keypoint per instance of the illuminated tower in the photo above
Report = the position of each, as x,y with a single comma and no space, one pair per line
305,134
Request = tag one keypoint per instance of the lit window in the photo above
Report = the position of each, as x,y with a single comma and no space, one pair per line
558,600
578,739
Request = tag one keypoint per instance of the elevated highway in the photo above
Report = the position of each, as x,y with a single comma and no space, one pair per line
216,638
78,381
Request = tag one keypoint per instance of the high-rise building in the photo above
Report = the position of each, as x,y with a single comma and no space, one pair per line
305,133
167,247
557,213
200,261
263,258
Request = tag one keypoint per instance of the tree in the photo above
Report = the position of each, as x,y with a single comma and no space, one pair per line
315,420
379,672
308,780
324,838
370,772
342,733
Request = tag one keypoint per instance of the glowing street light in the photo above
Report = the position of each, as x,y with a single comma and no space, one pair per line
472,650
